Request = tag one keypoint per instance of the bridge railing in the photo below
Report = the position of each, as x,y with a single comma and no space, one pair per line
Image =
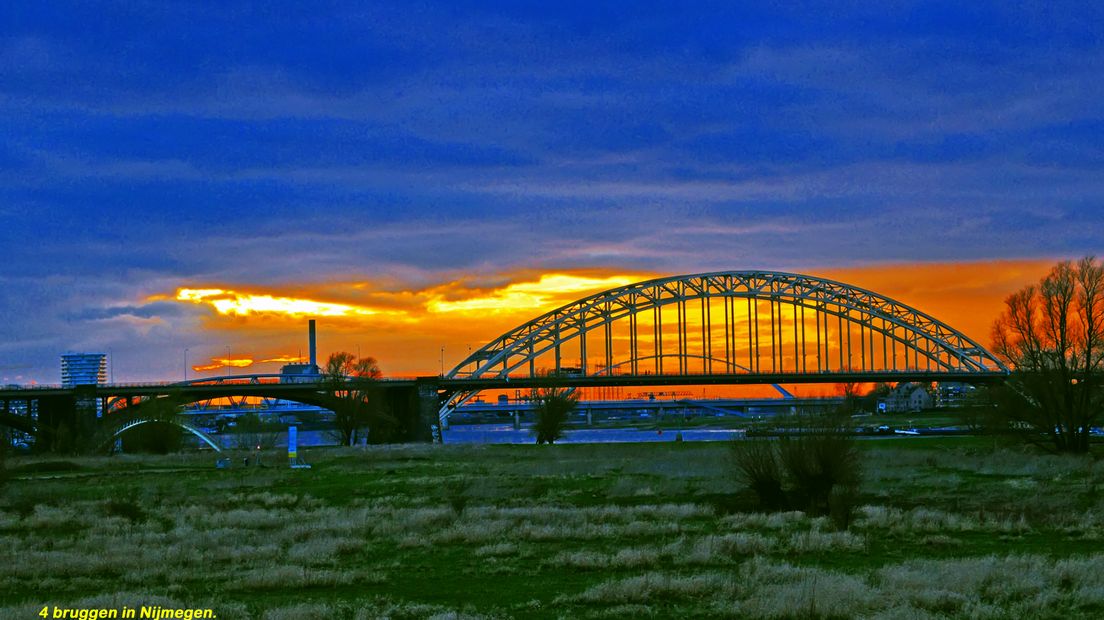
292,379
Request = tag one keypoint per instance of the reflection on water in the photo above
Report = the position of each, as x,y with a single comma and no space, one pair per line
506,433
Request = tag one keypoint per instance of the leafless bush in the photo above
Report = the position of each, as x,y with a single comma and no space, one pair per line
817,469
823,467
759,467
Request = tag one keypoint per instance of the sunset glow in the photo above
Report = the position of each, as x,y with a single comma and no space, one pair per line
529,296
406,327
232,303
217,363
526,297
284,359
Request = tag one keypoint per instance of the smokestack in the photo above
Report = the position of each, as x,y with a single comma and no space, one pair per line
313,352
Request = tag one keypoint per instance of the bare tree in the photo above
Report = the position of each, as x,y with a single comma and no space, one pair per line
354,396
851,397
1053,336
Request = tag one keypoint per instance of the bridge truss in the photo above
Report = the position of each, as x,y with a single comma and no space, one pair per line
741,324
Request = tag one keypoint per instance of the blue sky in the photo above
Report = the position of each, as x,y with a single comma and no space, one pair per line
146,146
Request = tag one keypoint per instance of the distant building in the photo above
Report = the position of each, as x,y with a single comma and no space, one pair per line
303,373
83,369
299,373
908,397
954,394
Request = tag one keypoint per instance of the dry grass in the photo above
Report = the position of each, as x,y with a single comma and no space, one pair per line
815,541
605,541
655,586
927,520
992,586
784,591
497,550
290,576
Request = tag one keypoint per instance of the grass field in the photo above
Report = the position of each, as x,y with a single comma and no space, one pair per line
947,527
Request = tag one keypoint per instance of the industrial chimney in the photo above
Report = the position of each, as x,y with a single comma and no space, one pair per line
313,350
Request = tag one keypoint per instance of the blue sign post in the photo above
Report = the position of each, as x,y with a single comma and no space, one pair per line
293,449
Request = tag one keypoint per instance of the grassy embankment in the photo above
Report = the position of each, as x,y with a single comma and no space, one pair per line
947,527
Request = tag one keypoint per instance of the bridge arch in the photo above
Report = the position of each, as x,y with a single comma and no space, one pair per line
184,425
748,323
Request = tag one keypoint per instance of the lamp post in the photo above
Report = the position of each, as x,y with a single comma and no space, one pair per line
185,363
442,361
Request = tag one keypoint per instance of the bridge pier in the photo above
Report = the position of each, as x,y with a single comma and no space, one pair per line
414,407
63,424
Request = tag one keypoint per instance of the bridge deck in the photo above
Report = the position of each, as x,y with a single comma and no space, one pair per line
202,391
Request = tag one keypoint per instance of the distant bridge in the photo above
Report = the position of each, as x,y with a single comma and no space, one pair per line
722,328
180,423
739,407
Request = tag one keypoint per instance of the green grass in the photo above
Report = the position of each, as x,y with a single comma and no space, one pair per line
948,527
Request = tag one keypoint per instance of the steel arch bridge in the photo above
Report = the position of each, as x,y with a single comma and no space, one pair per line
732,326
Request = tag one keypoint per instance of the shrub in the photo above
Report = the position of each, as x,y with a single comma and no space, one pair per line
817,470
552,407
758,466
817,463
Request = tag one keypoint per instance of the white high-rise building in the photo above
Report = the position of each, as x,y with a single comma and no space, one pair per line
83,369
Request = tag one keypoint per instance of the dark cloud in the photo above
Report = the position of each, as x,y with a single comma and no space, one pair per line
146,311
348,142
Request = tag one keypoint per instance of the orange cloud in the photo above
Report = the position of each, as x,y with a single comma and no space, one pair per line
525,295
286,359
233,303
217,363
551,290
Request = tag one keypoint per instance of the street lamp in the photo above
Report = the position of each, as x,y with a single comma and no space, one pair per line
442,361
185,363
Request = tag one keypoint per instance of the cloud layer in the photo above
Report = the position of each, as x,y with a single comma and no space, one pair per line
149,148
